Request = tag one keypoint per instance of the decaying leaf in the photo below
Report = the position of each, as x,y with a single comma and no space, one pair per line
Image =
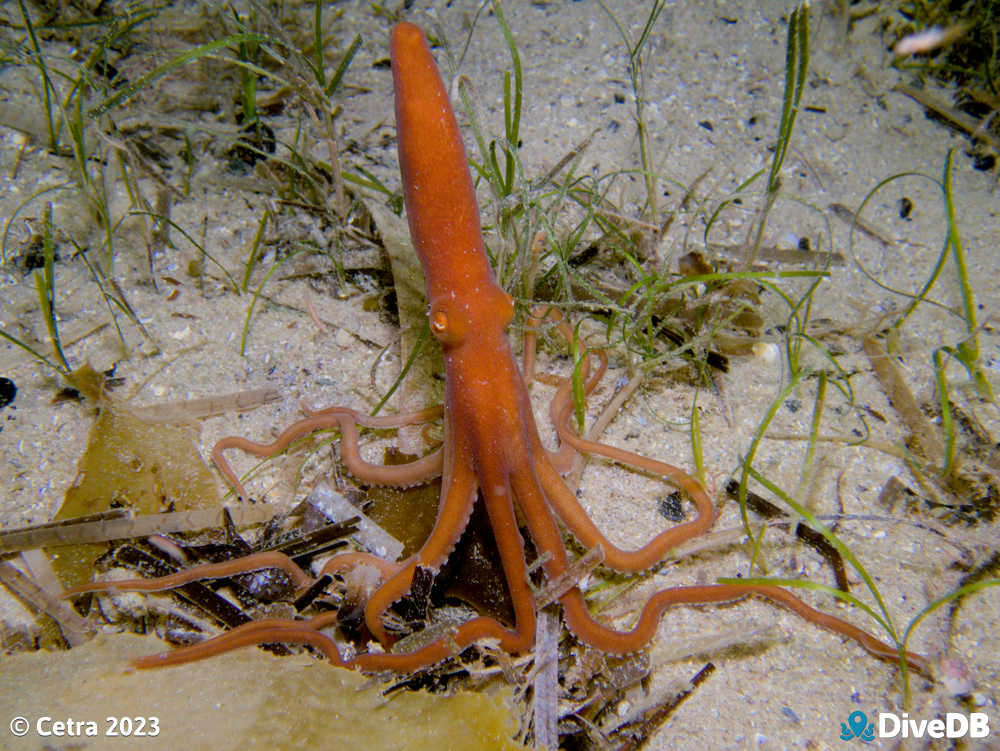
149,467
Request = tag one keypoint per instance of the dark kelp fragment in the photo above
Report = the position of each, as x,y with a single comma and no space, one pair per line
150,563
636,732
764,508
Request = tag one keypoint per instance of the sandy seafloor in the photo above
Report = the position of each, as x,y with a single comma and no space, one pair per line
713,89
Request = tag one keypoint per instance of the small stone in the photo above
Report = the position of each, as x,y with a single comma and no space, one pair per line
956,677
343,339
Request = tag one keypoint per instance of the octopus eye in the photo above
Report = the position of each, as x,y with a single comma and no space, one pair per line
448,326
439,322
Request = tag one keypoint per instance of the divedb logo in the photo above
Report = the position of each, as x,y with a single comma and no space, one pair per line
892,725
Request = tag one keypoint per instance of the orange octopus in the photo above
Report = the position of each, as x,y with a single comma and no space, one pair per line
491,443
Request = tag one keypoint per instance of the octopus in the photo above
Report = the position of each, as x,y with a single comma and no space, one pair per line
491,446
